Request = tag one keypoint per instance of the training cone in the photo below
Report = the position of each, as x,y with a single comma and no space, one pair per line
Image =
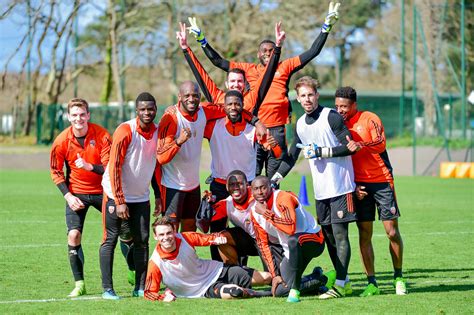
303,194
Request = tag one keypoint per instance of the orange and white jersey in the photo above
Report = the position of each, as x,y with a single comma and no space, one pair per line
371,163
333,176
64,151
239,215
182,271
182,172
132,163
284,217
232,152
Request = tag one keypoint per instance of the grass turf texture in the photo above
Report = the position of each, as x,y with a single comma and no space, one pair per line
436,224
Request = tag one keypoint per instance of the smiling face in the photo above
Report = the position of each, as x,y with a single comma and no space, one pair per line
345,107
235,81
308,98
261,189
146,112
264,52
237,188
78,116
189,97
233,108
165,236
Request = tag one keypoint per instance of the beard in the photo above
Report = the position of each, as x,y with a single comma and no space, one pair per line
235,119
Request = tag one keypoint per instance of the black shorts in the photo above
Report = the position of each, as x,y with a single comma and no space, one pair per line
75,219
380,195
241,276
182,204
336,210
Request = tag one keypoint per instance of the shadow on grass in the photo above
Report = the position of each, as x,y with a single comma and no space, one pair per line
419,273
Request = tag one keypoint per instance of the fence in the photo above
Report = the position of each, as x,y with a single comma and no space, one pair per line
51,119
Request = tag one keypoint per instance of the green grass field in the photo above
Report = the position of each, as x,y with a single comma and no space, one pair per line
437,225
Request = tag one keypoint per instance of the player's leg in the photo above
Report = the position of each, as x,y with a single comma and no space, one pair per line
126,247
75,223
303,248
125,238
342,213
389,213
228,251
323,213
273,163
190,207
261,159
140,227
174,200
111,226
365,209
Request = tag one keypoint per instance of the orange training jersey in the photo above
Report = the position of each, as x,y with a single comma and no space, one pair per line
275,107
64,152
371,163
218,95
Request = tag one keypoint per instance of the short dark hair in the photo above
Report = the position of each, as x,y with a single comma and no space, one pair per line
266,41
144,97
347,92
234,93
261,177
236,70
237,173
165,220
78,102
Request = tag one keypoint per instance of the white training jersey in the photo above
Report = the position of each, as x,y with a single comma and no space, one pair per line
305,223
240,218
182,172
231,152
333,176
187,275
137,168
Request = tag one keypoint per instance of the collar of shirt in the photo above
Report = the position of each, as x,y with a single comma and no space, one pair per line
354,119
235,128
246,204
90,133
173,254
189,117
147,134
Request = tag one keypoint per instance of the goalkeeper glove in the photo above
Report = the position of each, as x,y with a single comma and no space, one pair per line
331,18
311,151
275,181
196,31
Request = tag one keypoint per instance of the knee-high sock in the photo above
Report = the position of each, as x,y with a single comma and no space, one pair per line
341,235
127,251
76,259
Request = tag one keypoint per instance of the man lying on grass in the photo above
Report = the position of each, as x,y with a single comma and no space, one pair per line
175,262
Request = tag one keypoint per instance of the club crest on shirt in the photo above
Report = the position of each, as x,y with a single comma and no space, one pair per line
393,210
340,214
92,143
111,209
359,128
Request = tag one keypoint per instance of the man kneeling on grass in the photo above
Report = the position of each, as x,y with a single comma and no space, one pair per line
175,262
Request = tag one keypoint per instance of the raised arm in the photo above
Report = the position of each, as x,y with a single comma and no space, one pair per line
213,55
208,87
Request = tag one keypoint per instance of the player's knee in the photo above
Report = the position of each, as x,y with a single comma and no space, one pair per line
74,237
231,291
393,235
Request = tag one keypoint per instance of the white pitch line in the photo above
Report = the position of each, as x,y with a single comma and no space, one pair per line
85,298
